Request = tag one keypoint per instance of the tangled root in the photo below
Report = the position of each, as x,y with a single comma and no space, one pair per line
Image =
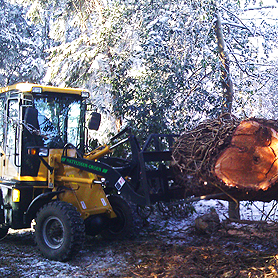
195,152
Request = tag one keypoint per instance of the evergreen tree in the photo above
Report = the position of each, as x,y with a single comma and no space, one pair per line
156,64
21,48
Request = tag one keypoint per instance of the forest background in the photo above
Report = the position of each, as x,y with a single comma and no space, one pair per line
152,64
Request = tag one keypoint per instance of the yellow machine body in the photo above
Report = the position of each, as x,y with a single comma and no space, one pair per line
82,189
20,187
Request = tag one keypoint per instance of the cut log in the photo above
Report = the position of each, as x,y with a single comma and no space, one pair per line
250,162
225,154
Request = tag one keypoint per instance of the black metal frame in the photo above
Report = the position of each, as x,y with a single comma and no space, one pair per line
158,181
149,169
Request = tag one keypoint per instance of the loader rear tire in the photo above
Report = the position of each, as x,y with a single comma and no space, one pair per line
59,231
121,226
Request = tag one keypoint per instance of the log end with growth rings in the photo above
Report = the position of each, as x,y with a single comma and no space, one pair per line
227,153
250,162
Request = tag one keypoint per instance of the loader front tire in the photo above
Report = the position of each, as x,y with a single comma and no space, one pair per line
59,231
121,226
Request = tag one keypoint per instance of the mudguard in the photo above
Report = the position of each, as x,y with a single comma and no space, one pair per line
37,203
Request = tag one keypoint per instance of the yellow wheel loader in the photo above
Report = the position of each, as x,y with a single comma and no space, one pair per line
51,177
46,174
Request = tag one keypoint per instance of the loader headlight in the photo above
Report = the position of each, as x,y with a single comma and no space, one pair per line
32,151
16,195
43,152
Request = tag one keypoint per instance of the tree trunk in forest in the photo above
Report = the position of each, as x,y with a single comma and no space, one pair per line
226,80
227,86
228,154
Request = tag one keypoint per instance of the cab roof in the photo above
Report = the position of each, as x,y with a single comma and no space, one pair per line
30,87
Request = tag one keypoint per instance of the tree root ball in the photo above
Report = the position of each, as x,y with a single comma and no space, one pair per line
227,153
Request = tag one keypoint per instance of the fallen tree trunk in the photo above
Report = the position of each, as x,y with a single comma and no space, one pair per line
228,155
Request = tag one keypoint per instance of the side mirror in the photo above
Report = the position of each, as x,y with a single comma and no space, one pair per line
94,121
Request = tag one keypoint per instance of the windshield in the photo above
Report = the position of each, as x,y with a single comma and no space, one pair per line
59,120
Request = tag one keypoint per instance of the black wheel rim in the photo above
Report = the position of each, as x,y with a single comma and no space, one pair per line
53,232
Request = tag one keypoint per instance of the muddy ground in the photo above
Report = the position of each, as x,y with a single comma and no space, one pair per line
165,246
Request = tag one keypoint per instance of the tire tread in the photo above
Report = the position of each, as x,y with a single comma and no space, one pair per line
77,229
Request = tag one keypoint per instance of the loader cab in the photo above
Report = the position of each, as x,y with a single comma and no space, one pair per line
35,115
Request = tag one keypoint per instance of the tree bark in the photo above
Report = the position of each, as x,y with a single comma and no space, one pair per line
226,80
227,85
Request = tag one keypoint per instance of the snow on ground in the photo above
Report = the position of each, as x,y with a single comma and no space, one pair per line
160,247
